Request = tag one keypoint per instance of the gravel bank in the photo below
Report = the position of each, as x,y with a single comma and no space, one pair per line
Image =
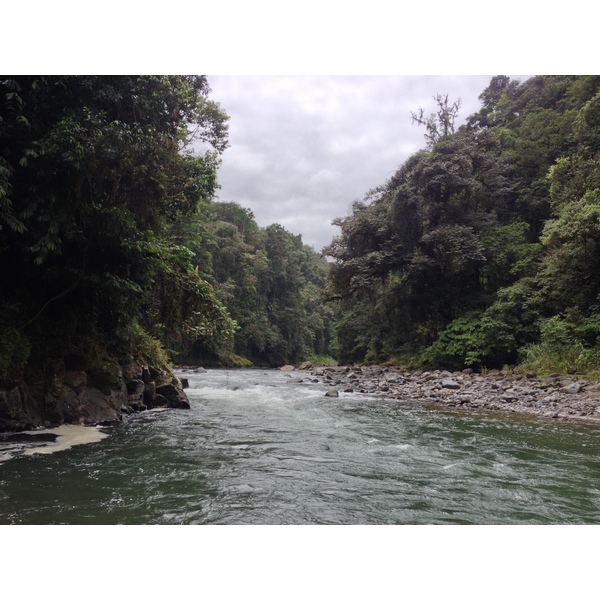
554,396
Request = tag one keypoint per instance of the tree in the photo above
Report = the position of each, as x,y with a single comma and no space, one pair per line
440,124
95,172
271,284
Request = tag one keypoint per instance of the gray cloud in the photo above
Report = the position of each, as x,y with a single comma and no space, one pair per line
303,148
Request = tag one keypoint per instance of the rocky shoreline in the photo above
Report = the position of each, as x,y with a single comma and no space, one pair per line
75,393
552,397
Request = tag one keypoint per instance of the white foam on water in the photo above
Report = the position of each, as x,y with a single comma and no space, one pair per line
4,456
67,437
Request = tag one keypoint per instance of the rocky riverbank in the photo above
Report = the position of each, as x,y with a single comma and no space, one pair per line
77,393
554,396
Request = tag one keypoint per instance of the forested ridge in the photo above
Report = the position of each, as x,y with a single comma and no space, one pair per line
482,250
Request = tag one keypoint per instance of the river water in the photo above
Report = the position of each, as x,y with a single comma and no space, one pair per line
267,447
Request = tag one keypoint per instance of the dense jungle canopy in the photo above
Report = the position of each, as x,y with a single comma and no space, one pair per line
482,250
111,244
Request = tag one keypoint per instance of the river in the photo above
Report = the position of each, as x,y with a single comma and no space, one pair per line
267,447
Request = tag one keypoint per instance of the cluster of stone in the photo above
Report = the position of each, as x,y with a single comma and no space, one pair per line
554,396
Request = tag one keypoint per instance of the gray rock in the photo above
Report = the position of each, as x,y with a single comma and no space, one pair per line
174,394
494,391
135,387
76,380
450,384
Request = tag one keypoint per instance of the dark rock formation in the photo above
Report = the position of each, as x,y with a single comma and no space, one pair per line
72,393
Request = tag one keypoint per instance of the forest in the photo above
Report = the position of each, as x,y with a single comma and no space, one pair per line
482,250
111,244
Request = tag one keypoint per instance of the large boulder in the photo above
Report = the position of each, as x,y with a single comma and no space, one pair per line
450,384
173,392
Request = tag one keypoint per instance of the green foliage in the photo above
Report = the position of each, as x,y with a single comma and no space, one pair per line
439,124
511,321
480,249
475,242
508,255
461,344
572,243
559,349
233,361
95,176
147,347
270,282
323,361
413,257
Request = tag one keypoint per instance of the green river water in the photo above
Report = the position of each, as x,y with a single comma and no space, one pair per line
267,447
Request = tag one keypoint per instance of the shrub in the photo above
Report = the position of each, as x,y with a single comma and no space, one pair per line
147,347
460,345
559,349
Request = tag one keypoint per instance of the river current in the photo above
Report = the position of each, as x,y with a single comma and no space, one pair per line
267,447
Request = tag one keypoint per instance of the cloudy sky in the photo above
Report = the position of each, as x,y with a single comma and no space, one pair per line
303,148
306,145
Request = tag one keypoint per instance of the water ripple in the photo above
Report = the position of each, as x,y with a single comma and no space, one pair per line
255,450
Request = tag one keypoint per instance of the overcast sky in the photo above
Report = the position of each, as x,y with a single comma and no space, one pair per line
303,148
